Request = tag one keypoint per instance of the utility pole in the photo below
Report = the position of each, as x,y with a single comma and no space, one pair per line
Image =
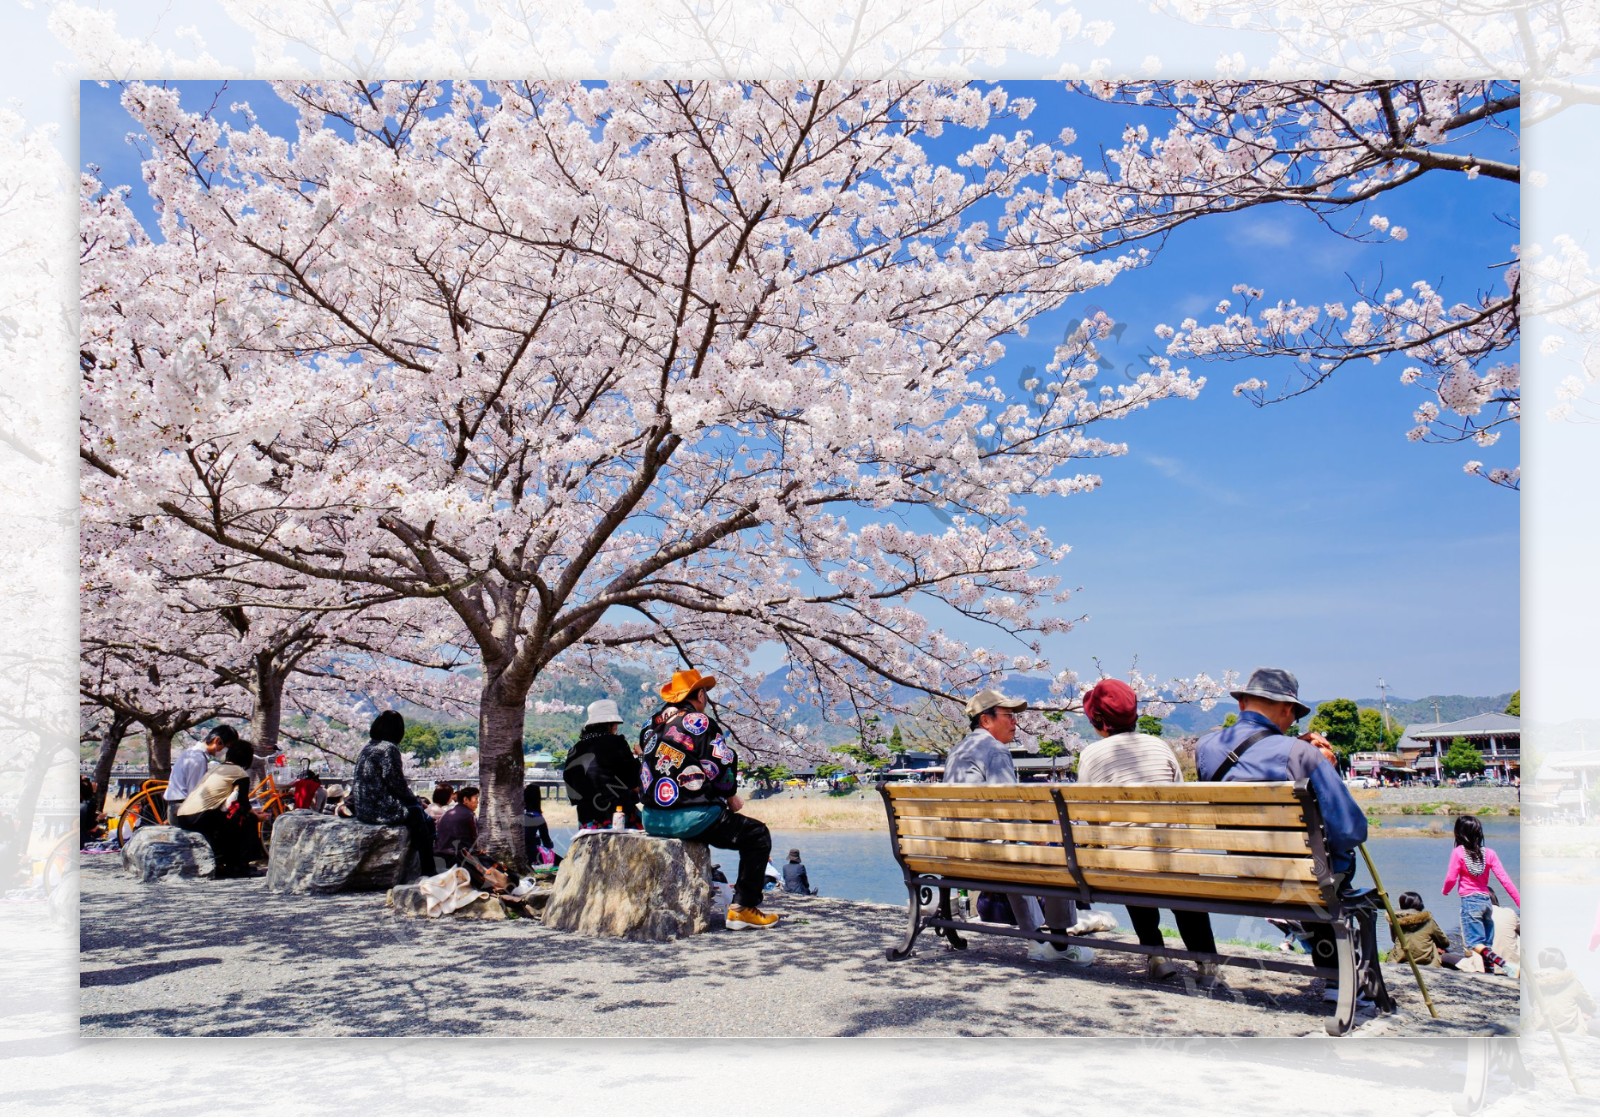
1383,691
1436,711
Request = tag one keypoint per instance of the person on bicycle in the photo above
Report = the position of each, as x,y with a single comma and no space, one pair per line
189,769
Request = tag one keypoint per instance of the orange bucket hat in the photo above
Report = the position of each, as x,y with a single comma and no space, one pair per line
686,683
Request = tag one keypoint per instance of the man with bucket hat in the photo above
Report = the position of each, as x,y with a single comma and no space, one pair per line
689,774
601,772
1257,747
982,758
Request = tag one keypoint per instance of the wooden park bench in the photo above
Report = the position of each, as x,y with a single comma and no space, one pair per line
1236,848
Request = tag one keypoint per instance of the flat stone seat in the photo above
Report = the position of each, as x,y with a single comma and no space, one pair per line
631,885
155,852
315,853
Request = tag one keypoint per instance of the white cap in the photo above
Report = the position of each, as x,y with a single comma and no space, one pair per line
602,712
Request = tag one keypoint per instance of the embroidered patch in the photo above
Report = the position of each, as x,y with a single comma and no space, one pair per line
645,775
679,736
670,755
696,723
667,714
666,793
711,769
721,751
692,779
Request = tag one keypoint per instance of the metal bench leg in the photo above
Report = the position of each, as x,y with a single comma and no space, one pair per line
914,907
1372,983
944,911
1344,1011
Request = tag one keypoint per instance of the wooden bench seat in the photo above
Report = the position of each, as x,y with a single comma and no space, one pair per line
1242,849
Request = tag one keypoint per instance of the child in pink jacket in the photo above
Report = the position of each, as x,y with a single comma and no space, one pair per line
1471,863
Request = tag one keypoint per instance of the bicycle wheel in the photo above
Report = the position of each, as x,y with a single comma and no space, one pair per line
140,811
61,861
272,807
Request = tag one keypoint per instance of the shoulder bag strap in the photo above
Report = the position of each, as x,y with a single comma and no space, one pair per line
1237,751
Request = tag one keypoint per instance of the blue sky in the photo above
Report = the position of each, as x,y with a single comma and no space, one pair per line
1309,534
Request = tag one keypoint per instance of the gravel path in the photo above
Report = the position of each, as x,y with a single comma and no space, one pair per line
227,958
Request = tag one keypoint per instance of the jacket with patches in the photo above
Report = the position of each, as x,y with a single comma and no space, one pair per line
687,762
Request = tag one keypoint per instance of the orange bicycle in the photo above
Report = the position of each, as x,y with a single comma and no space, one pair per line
148,806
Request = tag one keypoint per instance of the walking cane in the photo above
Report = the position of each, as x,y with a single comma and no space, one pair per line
1394,922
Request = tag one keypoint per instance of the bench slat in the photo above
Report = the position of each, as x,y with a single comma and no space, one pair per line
1246,890
1187,838
985,852
1006,792
1274,792
1301,870
1034,811
1223,889
1008,832
1248,815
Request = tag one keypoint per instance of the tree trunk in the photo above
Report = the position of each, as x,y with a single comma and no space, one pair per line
500,772
116,730
52,751
160,752
268,716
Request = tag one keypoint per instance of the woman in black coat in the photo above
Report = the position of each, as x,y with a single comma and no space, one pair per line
601,771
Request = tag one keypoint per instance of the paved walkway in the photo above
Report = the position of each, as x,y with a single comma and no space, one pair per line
230,959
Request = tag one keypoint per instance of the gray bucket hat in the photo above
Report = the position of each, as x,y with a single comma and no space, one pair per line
1275,684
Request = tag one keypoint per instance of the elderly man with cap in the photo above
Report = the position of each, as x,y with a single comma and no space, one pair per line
601,772
689,774
1258,747
982,758
1125,756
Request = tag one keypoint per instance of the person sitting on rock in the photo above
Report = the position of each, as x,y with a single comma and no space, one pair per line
601,772
379,794
189,767
690,775
457,830
794,876
535,830
219,809
1424,939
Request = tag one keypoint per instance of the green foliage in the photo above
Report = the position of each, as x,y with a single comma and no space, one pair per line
1462,758
422,740
1149,724
1514,707
827,770
1371,737
897,743
1339,722
863,753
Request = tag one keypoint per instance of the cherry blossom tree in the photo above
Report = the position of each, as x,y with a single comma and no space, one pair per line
676,366
1338,149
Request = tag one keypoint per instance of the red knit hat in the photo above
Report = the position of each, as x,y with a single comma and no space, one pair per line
1112,706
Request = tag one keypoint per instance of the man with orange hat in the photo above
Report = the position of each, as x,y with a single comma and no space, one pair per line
690,776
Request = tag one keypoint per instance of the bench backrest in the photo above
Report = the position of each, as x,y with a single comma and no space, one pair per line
1251,844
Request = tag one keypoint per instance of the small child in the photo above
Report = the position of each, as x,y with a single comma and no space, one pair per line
1471,863
1422,935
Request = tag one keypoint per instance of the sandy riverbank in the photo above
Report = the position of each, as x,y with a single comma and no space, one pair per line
202,958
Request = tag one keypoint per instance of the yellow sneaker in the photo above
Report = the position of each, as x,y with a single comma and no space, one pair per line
741,917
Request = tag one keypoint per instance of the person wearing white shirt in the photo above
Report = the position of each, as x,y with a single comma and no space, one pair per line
189,768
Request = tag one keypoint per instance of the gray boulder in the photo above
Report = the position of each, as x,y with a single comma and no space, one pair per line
314,853
633,886
156,852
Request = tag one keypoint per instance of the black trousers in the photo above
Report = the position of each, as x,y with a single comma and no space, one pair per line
236,842
1194,927
753,841
422,833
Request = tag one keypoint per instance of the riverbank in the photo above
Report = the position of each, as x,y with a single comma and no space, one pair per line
227,958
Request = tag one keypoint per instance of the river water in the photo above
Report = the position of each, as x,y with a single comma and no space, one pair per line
858,866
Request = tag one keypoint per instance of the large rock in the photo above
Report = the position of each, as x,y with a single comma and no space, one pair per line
314,853
632,885
156,852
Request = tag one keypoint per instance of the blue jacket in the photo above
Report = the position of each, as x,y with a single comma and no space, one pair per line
1285,758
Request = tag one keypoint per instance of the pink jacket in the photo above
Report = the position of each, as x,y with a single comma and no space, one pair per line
1473,885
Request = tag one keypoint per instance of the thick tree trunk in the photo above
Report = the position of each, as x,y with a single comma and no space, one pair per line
116,730
500,773
268,716
160,752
